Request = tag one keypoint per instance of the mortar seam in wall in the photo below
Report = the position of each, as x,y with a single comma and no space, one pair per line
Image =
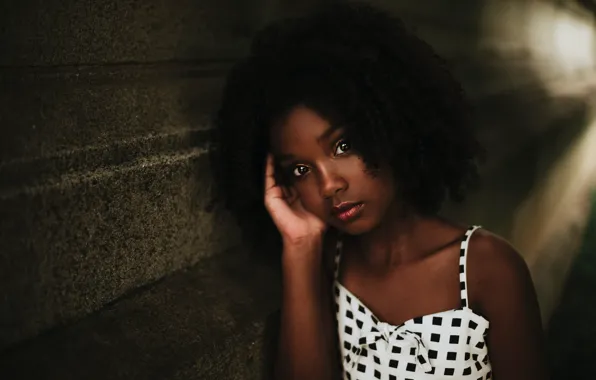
117,71
60,154
74,178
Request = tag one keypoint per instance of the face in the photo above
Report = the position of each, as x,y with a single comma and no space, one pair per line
325,172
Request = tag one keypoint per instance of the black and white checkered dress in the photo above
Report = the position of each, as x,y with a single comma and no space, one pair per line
445,345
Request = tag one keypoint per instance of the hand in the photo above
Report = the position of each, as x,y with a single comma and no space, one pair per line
295,224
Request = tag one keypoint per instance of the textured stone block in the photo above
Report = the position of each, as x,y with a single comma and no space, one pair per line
46,113
39,33
208,322
104,178
73,245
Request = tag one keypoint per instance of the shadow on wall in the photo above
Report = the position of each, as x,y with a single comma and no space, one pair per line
551,222
571,337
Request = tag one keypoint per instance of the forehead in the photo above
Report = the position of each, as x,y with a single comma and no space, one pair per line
301,126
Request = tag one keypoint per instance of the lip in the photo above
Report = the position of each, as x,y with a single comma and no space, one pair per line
343,206
347,211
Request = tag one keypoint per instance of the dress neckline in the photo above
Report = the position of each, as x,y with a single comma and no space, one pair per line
463,285
377,321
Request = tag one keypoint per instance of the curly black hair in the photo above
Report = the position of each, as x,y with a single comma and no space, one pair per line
359,68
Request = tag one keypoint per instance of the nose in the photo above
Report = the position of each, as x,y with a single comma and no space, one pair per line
331,181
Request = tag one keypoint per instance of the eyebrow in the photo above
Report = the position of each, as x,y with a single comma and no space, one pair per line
325,135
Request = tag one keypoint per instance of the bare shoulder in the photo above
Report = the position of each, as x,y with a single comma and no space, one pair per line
492,262
501,289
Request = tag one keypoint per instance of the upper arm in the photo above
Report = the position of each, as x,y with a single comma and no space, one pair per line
506,297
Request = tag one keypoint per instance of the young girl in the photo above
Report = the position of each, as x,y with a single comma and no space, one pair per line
361,134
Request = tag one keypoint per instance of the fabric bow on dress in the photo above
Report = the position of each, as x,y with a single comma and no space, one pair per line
398,339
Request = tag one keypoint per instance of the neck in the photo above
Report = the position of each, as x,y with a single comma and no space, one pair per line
393,242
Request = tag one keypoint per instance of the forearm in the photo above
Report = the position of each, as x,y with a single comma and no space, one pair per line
306,347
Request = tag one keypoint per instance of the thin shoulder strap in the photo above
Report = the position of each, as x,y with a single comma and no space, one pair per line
463,254
338,248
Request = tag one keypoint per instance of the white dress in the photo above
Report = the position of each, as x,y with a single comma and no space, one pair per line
445,345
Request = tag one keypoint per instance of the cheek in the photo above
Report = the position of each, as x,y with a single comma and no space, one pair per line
311,200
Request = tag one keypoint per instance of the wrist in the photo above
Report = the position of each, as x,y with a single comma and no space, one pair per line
303,243
305,255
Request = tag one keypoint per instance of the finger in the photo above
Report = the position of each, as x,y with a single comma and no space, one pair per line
272,191
277,206
269,173
271,187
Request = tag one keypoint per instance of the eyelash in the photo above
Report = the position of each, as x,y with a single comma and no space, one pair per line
339,143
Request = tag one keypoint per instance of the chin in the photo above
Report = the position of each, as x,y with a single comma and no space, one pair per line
356,228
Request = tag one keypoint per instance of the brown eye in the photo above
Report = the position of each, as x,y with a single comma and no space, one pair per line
300,170
343,147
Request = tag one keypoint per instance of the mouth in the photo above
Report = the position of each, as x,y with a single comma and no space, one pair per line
347,211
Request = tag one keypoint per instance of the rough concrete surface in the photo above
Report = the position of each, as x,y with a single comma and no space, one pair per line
104,179
66,33
48,113
75,244
81,32
207,322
